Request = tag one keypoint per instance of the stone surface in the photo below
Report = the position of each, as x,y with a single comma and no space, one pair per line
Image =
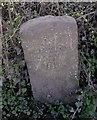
50,47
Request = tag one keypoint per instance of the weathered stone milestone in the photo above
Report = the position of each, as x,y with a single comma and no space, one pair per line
50,45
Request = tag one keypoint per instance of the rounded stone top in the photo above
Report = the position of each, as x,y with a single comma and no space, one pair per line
46,19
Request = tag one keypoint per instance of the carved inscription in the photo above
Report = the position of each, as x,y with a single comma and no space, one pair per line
51,53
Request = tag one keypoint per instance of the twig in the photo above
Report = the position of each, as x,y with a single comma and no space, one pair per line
41,7
17,27
11,27
73,116
83,16
58,8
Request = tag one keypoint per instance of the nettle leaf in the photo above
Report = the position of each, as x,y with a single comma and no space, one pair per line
72,110
24,90
14,112
28,113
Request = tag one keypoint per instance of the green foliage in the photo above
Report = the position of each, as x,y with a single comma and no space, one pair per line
89,102
17,101
16,105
